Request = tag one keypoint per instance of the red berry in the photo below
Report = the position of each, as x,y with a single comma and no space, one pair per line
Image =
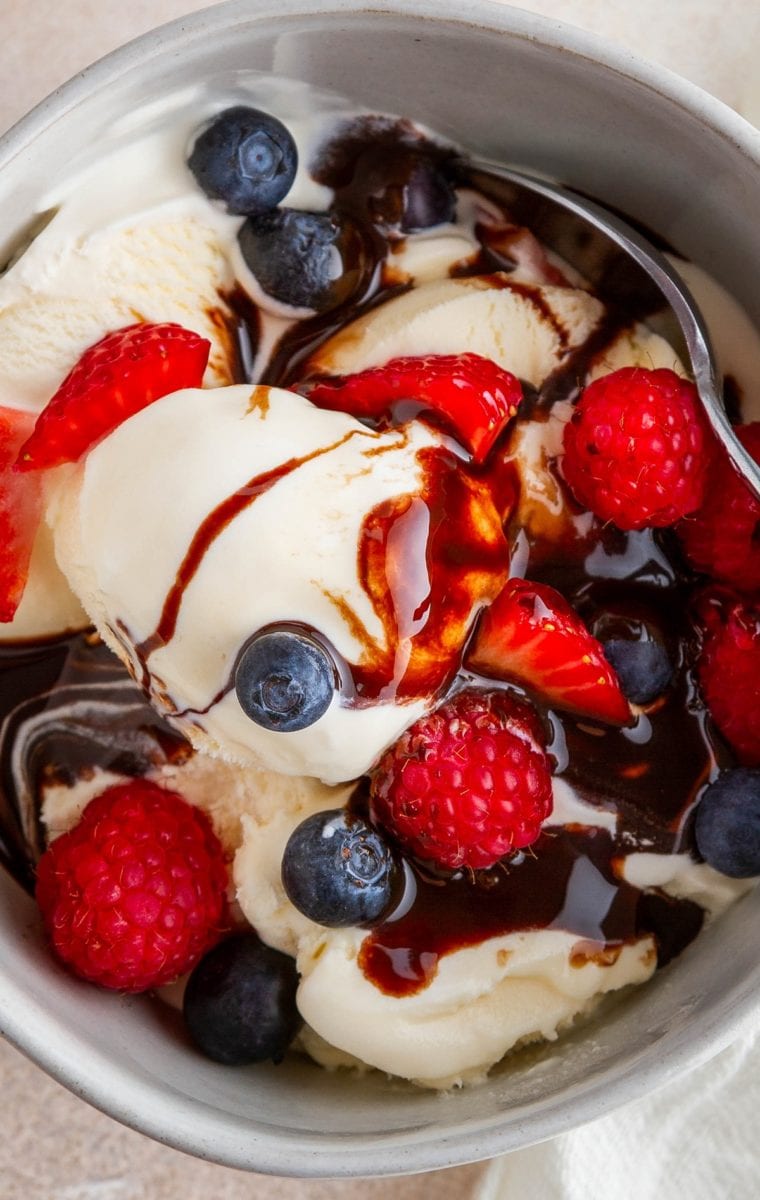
530,635
636,449
471,395
729,674
466,784
722,538
116,378
134,895
20,511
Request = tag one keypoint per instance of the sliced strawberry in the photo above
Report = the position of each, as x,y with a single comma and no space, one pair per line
473,397
20,510
121,374
530,635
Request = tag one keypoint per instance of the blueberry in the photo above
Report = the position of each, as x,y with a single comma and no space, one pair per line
428,198
407,191
240,1002
284,680
643,667
246,158
308,260
338,871
727,827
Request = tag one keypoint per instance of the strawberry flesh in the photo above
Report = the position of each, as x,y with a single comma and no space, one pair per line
20,510
471,396
530,635
117,377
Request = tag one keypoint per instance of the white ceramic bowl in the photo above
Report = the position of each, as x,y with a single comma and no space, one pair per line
513,87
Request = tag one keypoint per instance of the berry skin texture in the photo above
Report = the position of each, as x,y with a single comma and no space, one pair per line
643,667
727,827
117,377
729,675
284,680
135,893
246,158
471,395
338,871
636,449
467,784
721,538
530,635
240,1002
306,260
20,511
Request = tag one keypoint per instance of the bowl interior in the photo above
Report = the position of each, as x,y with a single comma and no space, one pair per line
520,90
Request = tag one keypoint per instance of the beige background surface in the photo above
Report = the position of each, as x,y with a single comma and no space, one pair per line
55,1147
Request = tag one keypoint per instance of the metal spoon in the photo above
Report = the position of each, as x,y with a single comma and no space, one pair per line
624,269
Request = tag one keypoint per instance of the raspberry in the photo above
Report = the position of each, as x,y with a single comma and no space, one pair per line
729,674
722,538
134,895
635,451
466,784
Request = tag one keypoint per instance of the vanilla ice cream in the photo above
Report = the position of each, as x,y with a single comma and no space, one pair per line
129,519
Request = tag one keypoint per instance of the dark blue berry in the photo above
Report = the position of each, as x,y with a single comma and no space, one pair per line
643,667
246,158
240,1002
727,827
416,196
308,260
338,871
404,186
284,680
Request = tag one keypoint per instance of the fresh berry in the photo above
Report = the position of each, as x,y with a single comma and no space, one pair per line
20,510
530,635
247,158
134,894
116,378
722,538
643,667
306,260
636,449
284,680
467,784
240,1002
405,189
337,870
729,674
470,395
727,827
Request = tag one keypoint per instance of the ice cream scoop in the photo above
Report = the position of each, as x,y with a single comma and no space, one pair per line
292,588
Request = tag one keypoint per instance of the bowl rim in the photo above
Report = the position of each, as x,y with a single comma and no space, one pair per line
195,1128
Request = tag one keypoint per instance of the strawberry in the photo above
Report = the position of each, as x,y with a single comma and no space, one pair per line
471,395
20,510
121,374
530,635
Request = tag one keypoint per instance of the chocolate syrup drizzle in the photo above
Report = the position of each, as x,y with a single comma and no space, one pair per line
67,706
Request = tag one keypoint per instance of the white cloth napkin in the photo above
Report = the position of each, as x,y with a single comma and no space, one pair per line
695,1139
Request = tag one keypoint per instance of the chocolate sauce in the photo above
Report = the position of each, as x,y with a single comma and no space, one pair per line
67,707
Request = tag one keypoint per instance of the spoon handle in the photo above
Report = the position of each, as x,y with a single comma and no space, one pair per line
619,262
